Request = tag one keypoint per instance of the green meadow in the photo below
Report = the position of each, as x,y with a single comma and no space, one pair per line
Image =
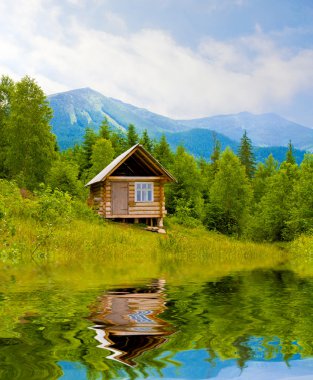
52,228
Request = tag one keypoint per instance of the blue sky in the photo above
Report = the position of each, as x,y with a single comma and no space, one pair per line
179,58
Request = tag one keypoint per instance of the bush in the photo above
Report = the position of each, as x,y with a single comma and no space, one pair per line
220,220
64,176
11,201
53,206
184,214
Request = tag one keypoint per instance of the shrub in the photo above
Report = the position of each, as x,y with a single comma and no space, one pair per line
184,214
53,206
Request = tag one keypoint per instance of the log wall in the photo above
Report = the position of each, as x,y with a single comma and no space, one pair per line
155,209
100,200
96,197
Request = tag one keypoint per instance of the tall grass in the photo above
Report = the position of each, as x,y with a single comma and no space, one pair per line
55,232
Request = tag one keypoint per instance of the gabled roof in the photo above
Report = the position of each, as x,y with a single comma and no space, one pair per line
122,158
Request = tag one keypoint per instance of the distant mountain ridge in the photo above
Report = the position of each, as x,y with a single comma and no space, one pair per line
77,109
266,129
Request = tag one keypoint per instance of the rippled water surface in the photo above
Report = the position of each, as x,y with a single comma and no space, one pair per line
172,319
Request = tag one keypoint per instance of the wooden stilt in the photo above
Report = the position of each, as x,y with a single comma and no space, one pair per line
160,222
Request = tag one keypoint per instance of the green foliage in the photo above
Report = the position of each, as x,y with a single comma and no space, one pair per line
290,159
53,206
246,155
272,214
132,136
212,284
119,142
301,218
208,171
6,90
215,156
188,188
146,142
11,202
261,175
64,176
184,214
277,207
163,153
90,139
31,143
105,130
230,196
102,154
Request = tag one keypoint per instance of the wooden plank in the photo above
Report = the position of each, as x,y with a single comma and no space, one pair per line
132,209
146,204
136,179
156,200
145,213
148,162
134,216
103,194
141,161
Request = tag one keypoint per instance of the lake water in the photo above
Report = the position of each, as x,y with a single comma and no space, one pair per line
191,320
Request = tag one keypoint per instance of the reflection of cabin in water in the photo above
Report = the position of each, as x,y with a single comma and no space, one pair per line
132,187
127,322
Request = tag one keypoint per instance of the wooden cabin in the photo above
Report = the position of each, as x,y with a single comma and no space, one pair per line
131,187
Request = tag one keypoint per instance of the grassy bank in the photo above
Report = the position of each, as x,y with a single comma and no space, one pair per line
53,231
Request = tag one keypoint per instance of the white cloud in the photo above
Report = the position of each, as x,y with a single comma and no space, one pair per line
114,23
149,68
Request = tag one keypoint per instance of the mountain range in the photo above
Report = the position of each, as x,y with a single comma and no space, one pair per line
77,109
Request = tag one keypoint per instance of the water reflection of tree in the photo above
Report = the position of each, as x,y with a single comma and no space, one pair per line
270,305
222,317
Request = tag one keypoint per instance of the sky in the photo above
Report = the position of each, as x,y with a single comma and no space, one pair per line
179,58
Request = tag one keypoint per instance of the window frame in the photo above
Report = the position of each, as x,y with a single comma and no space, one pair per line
146,190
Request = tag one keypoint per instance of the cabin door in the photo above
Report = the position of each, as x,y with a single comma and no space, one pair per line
119,198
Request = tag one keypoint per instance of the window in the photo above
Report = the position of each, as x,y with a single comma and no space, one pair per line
144,192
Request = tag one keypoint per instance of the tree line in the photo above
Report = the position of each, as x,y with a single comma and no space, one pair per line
231,193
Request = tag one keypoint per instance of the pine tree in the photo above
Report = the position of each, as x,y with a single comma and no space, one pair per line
163,153
30,139
119,142
132,136
216,153
207,174
246,156
105,130
289,155
90,139
145,141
